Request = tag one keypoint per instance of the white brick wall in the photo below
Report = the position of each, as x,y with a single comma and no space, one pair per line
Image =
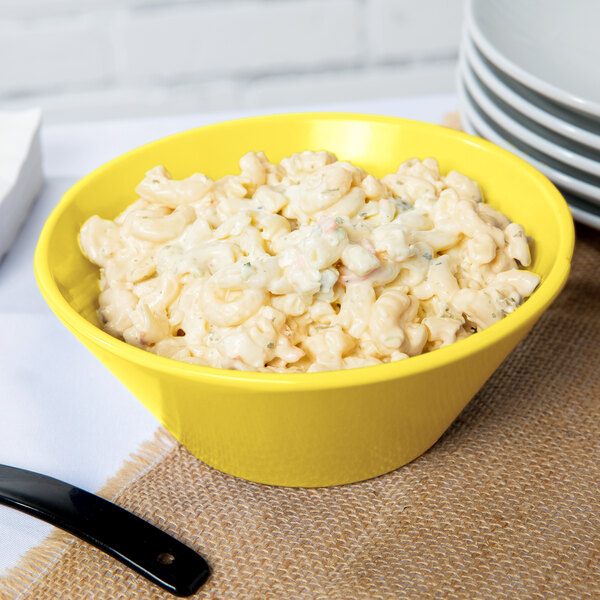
45,54
96,59
352,84
409,30
236,39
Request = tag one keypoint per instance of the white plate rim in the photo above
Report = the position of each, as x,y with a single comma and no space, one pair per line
525,77
579,214
544,145
521,104
588,191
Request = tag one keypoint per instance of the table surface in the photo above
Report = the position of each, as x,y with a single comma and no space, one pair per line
63,413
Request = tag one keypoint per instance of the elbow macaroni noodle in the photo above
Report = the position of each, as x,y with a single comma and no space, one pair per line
307,265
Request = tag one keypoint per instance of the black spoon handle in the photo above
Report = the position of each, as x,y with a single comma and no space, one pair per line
151,552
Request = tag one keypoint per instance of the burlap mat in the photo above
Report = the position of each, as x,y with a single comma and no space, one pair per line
505,505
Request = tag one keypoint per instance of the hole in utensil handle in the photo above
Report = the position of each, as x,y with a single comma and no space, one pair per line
157,556
164,558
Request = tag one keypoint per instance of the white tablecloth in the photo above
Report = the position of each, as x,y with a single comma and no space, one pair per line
62,412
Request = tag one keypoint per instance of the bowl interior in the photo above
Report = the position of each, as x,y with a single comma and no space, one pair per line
378,144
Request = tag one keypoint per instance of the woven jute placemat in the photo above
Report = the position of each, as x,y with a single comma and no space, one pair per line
505,505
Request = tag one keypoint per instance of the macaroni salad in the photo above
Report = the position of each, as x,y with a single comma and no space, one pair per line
307,265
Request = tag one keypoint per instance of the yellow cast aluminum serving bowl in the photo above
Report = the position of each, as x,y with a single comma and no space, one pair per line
316,429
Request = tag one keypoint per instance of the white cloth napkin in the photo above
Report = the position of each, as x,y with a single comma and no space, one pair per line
21,175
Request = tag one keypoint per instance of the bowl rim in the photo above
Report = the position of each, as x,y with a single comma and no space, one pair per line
524,316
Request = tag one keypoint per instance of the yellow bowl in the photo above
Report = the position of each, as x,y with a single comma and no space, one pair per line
316,429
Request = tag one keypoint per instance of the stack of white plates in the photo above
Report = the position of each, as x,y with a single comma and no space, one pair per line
529,80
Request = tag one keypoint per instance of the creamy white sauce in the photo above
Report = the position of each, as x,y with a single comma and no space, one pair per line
307,265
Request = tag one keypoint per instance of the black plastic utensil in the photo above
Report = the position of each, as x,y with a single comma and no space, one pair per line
157,556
